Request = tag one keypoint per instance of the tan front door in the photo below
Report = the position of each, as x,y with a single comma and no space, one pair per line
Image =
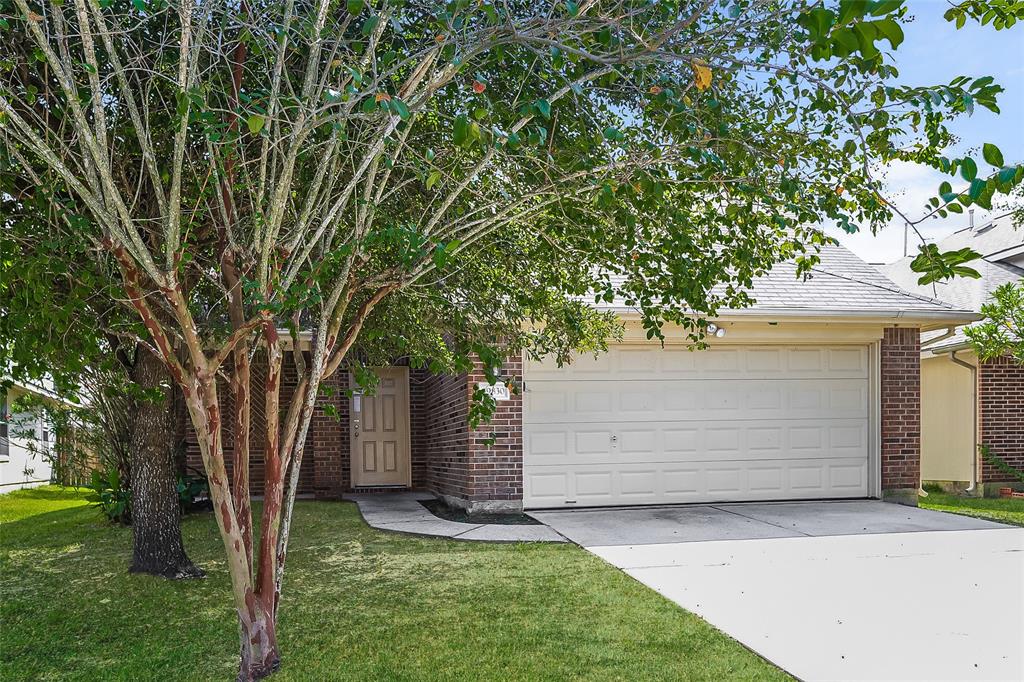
380,431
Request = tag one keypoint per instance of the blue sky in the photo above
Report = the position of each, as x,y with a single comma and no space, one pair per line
935,52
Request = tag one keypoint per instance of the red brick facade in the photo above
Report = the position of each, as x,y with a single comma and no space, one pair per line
257,446
901,413
1001,412
496,468
446,457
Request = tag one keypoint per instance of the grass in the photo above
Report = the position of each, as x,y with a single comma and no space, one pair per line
1001,509
358,604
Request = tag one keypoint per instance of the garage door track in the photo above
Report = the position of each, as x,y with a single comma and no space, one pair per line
831,590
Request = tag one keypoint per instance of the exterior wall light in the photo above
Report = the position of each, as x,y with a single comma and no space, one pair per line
719,332
712,328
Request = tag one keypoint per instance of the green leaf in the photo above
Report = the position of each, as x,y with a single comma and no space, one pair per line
968,169
355,6
992,154
399,107
255,123
369,25
543,107
460,132
613,134
891,31
946,192
573,7
1007,174
976,188
433,178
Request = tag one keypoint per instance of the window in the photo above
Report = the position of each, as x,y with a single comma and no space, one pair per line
5,418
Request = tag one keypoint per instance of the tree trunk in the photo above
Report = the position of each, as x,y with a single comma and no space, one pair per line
259,656
157,547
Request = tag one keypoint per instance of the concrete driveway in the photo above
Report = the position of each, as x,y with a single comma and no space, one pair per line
831,590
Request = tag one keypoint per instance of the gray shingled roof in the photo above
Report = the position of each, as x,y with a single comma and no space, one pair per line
964,292
840,283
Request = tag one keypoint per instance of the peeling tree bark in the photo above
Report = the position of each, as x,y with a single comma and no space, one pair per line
157,547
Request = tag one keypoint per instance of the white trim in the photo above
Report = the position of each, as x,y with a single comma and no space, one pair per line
875,420
941,318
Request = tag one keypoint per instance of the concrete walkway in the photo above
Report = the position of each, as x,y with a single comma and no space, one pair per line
831,590
403,513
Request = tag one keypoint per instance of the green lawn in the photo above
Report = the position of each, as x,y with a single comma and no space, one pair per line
358,604
1001,509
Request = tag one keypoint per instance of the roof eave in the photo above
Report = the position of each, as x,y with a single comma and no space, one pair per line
926,318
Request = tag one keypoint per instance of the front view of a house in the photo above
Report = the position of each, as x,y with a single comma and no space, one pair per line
812,393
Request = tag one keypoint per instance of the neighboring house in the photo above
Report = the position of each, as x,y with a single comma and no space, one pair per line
965,403
26,440
812,393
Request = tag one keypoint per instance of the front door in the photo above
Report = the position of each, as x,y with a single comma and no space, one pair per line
380,431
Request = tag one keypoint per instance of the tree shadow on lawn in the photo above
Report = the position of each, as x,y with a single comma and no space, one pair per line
358,604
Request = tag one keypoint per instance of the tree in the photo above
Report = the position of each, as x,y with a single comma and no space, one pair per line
375,174
58,323
1001,333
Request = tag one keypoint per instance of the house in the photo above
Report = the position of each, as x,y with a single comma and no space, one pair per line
966,403
26,439
812,393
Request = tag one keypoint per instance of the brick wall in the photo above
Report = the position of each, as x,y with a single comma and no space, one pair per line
329,433
901,411
446,457
461,464
441,439
496,469
1001,407
257,446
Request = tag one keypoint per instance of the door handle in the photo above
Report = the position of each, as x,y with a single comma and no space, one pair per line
355,427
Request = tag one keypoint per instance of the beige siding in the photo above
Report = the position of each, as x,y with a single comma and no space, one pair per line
947,420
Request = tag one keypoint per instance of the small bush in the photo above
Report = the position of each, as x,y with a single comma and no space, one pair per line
112,498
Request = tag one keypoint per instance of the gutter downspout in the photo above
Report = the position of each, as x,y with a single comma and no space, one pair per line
974,403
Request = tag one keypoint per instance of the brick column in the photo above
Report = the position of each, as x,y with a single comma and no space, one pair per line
329,436
901,415
495,470
1001,410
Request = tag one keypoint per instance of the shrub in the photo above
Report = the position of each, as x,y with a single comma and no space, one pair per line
112,498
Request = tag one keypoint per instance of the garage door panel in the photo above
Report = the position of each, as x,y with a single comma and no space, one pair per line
596,485
553,401
721,362
642,424
754,440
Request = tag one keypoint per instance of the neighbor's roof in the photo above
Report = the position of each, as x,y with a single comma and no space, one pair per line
840,285
991,240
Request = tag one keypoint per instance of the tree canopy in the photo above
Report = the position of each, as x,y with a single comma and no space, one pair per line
439,181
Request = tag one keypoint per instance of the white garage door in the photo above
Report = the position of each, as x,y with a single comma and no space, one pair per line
642,424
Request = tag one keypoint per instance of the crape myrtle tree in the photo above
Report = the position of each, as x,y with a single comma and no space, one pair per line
440,181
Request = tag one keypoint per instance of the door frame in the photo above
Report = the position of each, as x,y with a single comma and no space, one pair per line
403,377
